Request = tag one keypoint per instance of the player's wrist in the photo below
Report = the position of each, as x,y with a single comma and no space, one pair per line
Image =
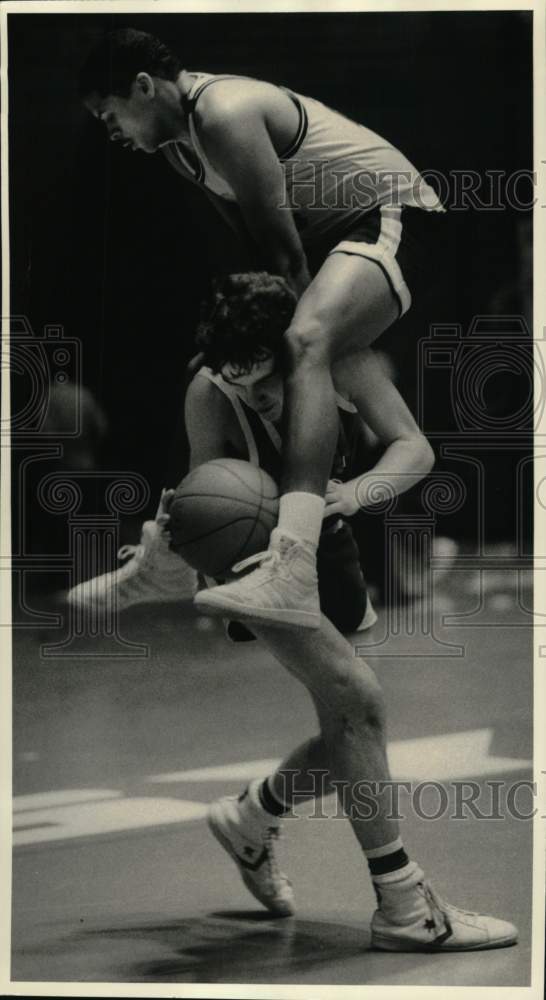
372,490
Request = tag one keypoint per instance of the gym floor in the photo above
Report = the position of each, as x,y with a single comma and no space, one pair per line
115,876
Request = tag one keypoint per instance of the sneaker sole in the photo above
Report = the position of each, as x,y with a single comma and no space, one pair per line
115,607
388,944
369,620
83,604
283,618
111,608
218,833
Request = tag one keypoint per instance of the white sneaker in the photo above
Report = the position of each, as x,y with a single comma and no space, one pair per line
282,591
411,917
152,575
248,833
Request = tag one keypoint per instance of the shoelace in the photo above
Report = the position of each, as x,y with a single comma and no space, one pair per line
437,905
128,550
444,908
273,833
271,556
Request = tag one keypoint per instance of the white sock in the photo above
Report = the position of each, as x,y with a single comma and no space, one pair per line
401,877
399,896
300,515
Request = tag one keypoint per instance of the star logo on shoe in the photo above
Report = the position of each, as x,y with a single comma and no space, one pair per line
430,925
250,859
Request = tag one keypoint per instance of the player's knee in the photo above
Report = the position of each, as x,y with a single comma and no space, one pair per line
307,342
374,717
361,707
371,706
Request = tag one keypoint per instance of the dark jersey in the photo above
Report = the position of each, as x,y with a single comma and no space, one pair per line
264,444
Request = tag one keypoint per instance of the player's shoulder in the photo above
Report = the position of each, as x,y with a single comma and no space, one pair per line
203,392
235,98
206,405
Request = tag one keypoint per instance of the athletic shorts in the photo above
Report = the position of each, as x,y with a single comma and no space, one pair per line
342,588
402,242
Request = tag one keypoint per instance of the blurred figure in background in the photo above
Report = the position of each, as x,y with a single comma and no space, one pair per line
81,452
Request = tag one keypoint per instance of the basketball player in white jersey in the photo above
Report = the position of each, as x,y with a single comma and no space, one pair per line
332,206
234,409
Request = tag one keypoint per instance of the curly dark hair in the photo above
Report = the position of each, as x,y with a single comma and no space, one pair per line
119,56
245,321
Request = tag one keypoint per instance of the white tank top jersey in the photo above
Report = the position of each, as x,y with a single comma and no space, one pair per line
335,169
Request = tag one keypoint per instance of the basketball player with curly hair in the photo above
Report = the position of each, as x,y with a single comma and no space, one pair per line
234,408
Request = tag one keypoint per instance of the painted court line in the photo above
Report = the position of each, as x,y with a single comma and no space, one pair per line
71,813
440,758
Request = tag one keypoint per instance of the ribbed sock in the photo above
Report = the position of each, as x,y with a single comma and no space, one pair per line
300,515
389,862
269,801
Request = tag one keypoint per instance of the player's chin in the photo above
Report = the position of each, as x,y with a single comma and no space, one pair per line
146,146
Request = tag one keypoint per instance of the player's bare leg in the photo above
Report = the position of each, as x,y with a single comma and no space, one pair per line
346,307
351,712
352,747
304,774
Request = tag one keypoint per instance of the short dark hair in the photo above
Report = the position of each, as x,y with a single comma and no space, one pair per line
245,320
115,61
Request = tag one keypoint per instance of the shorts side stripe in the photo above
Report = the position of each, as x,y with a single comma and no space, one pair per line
383,253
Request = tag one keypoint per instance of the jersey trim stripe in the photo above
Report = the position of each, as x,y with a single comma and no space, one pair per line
190,100
189,104
194,165
303,125
231,394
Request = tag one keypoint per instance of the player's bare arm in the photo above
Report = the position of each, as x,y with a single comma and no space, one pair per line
231,214
408,456
236,134
210,425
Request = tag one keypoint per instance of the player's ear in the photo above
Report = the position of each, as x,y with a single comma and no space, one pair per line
144,85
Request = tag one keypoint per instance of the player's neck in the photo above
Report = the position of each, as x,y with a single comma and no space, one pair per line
184,84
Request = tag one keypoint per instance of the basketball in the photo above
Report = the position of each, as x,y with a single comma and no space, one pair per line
221,513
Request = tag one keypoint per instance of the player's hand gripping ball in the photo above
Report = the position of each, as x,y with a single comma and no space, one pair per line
221,513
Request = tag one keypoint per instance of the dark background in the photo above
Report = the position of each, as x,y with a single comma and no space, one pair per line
117,249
